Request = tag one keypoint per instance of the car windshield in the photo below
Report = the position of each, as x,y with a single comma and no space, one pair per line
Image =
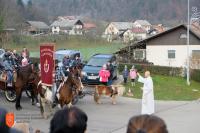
97,62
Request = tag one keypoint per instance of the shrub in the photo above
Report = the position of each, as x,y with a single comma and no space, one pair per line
162,70
195,75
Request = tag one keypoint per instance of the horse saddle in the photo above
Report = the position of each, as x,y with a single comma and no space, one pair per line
3,76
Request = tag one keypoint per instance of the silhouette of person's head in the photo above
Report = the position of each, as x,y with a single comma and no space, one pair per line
69,120
146,124
3,127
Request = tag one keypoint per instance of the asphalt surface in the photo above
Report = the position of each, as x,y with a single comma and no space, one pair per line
181,117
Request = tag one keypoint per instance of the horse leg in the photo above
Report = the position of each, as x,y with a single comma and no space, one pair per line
50,108
32,96
36,96
44,108
37,101
113,99
41,107
98,99
18,97
62,103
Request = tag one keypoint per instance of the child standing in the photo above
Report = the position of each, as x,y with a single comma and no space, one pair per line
104,75
125,74
133,75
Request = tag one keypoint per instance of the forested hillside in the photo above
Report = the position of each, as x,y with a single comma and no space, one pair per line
119,9
12,12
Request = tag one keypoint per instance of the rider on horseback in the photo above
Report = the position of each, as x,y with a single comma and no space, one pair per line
66,64
8,68
24,62
16,58
58,76
76,62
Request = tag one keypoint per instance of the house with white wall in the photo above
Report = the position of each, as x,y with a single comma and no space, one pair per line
143,24
135,33
168,48
115,29
67,26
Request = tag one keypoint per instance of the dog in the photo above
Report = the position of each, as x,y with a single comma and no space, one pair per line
111,91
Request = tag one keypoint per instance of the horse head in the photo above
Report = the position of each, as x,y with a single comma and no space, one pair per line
75,81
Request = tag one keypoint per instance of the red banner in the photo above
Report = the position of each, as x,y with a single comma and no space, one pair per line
47,63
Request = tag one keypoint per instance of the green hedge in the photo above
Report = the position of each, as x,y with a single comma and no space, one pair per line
195,75
162,70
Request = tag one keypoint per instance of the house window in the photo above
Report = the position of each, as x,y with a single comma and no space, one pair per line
183,36
196,54
139,54
171,54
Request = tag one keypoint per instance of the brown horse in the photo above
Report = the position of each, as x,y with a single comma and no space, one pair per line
65,92
111,91
70,88
25,77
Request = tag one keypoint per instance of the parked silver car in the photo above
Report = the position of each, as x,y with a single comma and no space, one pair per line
60,54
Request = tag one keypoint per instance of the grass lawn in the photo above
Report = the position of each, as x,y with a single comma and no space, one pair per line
169,88
88,47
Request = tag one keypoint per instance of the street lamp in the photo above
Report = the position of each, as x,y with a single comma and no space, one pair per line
188,43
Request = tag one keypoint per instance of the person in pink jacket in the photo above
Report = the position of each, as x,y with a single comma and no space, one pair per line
133,75
24,62
104,75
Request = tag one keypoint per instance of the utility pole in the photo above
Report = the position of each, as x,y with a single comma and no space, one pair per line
188,43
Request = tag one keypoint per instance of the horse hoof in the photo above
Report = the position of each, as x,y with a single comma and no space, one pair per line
114,103
19,108
45,117
99,102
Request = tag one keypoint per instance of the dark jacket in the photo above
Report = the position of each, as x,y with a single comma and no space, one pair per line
66,62
125,73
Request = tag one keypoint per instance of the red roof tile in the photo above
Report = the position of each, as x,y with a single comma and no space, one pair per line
138,30
89,25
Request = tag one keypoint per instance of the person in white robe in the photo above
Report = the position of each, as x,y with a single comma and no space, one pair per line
148,93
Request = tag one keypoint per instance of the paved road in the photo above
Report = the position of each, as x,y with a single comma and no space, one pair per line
181,117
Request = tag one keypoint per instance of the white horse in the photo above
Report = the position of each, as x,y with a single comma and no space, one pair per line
45,98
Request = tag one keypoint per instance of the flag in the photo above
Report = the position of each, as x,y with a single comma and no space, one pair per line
47,63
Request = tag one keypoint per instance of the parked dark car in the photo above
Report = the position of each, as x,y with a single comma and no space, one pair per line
91,70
